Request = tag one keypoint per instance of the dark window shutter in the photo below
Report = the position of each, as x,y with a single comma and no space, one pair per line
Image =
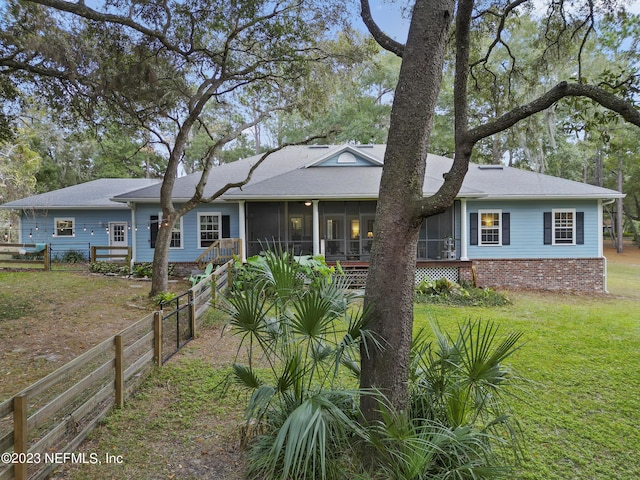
547,228
506,229
153,229
226,226
473,229
580,228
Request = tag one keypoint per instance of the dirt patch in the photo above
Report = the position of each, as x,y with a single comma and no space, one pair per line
49,318
630,253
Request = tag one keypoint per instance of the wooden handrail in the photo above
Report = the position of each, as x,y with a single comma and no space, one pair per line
220,251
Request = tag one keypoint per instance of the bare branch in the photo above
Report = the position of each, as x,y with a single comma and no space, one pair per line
264,156
382,38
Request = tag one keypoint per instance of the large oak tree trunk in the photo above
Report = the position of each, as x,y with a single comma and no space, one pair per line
391,276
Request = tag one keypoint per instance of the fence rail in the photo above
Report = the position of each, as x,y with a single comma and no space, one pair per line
25,254
56,413
113,254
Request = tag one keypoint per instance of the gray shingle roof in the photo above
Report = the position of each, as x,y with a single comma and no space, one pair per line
297,173
89,195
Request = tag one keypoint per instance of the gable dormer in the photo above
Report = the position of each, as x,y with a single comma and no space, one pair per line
348,156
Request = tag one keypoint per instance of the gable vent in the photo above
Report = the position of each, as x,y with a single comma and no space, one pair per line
347,157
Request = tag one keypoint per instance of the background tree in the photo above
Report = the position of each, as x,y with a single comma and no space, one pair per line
401,206
18,167
352,95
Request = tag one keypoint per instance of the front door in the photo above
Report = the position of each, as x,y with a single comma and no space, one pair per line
118,238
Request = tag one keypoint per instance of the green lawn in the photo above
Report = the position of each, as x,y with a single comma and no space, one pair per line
581,416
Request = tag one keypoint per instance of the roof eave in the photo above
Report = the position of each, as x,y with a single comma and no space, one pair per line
65,207
555,197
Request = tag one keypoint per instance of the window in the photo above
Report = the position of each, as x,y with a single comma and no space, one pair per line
564,227
176,234
490,227
64,227
208,229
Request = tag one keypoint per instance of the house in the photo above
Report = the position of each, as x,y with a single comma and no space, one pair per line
77,217
507,227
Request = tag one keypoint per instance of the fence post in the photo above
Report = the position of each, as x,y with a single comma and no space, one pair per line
214,288
20,407
119,364
229,274
192,313
157,336
47,258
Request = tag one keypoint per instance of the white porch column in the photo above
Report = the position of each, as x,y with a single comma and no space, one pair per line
316,228
242,227
464,234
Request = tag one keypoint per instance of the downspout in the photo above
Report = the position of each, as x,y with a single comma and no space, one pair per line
242,227
134,236
601,240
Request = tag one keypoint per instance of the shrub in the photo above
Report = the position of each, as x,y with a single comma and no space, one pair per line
143,270
109,267
140,270
444,291
302,340
163,297
72,256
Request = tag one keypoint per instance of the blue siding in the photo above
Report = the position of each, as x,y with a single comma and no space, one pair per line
190,243
527,229
40,227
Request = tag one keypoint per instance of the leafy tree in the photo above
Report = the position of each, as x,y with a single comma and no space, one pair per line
352,96
158,66
401,206
18,167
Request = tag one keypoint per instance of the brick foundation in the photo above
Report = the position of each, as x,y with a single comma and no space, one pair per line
567,274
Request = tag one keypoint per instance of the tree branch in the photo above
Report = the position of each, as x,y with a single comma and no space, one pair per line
264,156
564,89
83,11
382,38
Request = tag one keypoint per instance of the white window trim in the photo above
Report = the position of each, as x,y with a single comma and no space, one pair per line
572,211
219,215
62,219
492,211
181,247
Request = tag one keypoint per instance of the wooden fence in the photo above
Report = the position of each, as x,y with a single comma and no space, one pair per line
42,426
113,254
25,254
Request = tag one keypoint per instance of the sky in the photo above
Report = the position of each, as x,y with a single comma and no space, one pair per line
388,16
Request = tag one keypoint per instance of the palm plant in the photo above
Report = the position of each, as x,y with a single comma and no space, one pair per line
295,341
459,390
301,336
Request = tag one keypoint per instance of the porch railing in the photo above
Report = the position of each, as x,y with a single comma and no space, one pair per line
220,251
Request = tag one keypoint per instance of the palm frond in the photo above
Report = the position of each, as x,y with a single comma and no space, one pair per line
303,440
245,376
